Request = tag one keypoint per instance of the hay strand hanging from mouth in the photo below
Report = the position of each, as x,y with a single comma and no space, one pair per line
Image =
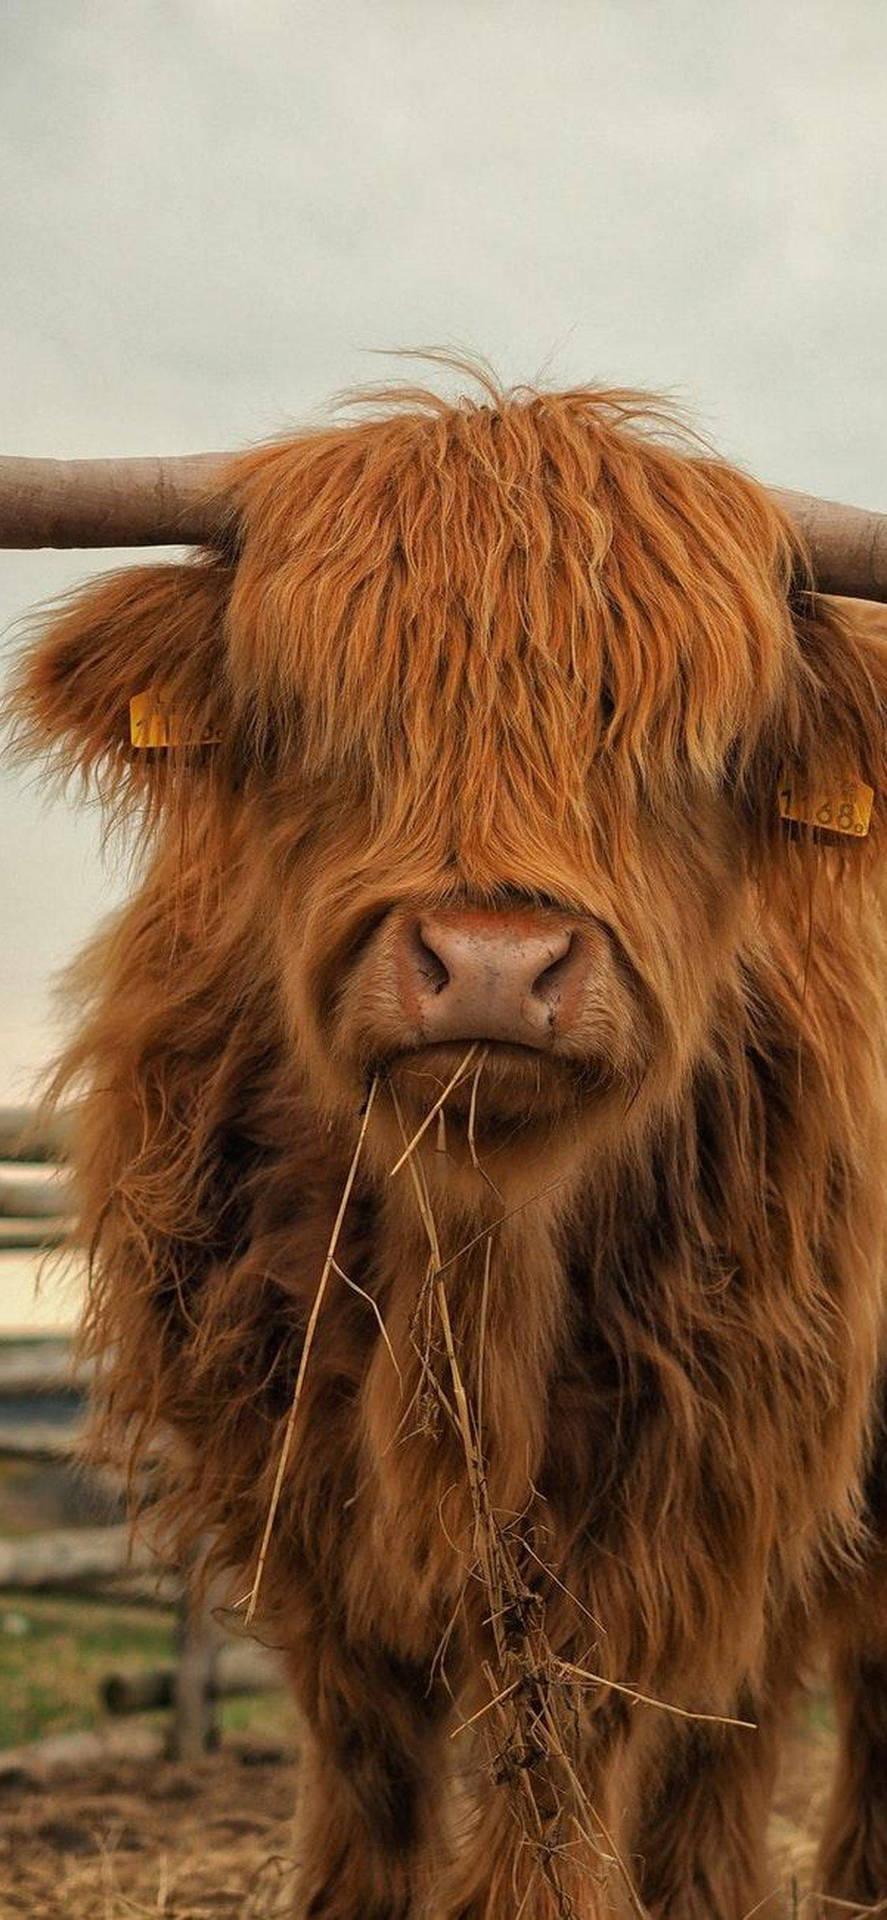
519,1687
307,1344
454,1080
529,1721
374,1309
472,1127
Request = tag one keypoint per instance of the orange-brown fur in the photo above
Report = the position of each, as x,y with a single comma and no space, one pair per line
528,648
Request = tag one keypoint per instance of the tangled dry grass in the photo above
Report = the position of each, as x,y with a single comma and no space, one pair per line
146,1839
531,1721
533,1711
531,1718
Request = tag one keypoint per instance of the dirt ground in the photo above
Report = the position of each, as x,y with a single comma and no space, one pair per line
147,1838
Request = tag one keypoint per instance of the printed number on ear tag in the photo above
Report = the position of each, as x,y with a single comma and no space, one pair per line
152,725
848,810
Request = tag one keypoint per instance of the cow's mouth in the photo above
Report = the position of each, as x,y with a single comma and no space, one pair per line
494,1090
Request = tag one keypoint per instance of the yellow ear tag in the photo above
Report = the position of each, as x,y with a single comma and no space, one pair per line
152,725
847,810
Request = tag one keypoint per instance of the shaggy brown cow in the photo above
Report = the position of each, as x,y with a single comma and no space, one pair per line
558,1434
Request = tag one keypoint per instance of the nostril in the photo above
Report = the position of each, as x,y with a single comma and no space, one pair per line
429,964
549,983
469,974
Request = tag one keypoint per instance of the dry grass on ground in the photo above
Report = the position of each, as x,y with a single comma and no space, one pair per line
146,1839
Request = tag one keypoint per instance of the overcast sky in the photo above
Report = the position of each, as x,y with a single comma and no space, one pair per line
213,210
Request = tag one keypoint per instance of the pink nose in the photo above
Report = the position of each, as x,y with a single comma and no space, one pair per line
473,975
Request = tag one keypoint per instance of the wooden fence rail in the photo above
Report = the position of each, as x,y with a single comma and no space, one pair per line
42,1440
241,1668
26,1134
41,1372
34,1203
72,1557
30,1236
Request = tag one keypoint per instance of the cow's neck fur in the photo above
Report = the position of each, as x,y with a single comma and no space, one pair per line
407,1442
643,1389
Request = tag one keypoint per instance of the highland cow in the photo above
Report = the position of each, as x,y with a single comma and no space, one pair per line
510,758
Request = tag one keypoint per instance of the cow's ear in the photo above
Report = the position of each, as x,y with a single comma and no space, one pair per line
822,769
151,634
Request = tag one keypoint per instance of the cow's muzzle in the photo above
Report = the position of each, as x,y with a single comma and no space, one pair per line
516,977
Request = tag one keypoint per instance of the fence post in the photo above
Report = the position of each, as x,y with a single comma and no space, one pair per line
195,1727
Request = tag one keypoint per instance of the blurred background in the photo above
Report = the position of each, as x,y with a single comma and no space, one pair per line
215,213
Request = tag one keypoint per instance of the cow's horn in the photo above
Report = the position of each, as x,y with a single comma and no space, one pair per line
175,501
180,500
847,545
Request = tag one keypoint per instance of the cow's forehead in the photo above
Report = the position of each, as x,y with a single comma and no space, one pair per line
532,578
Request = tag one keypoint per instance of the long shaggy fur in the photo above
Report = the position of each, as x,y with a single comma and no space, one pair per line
528,647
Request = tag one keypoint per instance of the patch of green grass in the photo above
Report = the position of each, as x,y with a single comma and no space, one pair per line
56,1649
268,1714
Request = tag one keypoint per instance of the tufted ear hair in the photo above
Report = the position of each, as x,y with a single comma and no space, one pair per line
820,769
153,630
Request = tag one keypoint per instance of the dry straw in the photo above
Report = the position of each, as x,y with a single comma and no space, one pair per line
310,1330
531,1720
